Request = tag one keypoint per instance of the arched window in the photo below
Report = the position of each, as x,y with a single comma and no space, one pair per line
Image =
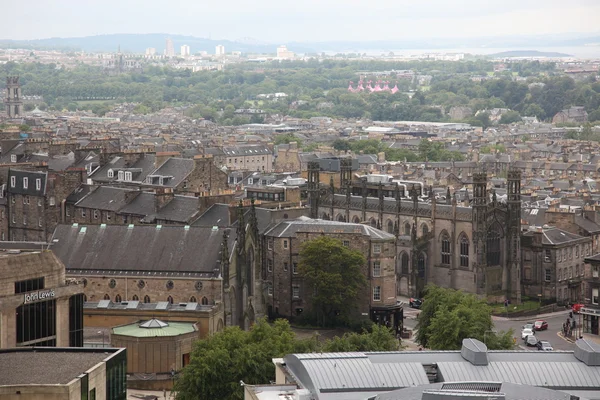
373,223
146,299
493,245
464,250
445,248
404,264
356,220
390,226
170,300
204,301
118,298
325,216
193,299
421,265
341,218
407,229
424,230
135,298
106,297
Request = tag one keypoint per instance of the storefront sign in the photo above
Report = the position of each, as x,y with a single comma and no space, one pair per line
590,311
40,295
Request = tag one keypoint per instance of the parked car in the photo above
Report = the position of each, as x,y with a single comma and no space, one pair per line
526,332
576,308
531,341
544,345
540,325
415,303
528,325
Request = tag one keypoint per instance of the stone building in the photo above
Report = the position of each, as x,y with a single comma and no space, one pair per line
33,202
38,305
571,115
473,248
553,264
591,295
249,157
288,296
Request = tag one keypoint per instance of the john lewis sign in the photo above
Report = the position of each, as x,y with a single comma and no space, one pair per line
40,295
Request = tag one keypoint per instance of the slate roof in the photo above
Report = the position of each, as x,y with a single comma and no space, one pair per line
176,250
587,224
246,150
31,176
181,209
105,198
555,236
289,228
176,168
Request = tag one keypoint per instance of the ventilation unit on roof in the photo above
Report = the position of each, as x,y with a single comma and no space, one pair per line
474,351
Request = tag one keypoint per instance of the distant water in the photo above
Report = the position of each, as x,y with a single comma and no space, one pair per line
582,52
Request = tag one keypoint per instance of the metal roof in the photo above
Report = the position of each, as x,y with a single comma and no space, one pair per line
172,329
546,374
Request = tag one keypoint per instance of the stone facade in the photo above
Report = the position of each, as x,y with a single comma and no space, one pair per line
286,293
472,248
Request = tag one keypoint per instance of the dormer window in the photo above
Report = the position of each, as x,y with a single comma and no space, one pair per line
128,176
38,184
13,181
13,158
250,181
25,183
121,175
111,173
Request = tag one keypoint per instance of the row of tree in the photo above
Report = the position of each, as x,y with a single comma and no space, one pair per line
316,88
427,151
220,362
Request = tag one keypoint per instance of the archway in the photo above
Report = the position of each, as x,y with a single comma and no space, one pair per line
373,223
341,218
356,220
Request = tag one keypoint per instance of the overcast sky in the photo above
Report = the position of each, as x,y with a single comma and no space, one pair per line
279,21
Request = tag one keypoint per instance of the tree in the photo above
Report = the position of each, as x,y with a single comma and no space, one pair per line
341,145
219,362
449,316
510,117
287,138
335,274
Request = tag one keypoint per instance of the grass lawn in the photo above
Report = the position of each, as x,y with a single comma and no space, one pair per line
526,305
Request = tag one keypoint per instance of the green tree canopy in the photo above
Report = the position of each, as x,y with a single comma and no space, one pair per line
219,362
286,138
510,117
335,274
449,316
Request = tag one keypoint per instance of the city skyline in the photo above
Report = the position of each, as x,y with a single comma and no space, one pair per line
336,19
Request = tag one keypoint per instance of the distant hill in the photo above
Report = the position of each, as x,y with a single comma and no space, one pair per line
138,43
528,53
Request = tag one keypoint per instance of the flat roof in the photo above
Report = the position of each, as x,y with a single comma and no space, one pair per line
49,366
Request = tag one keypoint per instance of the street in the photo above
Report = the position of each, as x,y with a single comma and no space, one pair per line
554,320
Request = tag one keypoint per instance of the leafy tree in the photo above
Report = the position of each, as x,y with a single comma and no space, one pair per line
341,145
335,273
380,338
449,316
24,128
219,362
484,119
286,138
510,117
534,110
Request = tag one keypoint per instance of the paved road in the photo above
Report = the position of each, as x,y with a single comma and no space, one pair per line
554,320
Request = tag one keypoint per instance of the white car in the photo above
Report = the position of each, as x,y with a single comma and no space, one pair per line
526,332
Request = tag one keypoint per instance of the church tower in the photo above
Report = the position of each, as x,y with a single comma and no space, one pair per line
313,186
513,278
479,223
14,104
